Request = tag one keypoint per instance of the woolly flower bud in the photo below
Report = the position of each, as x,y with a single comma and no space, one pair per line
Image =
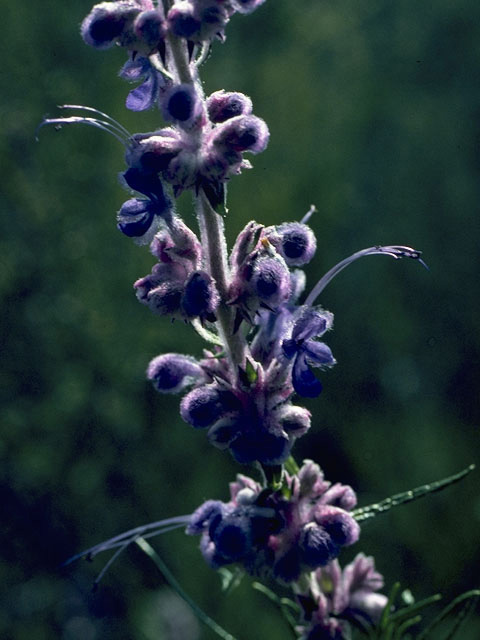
164,300
149,28
271,280
135,219
339,524
317,546
200,297
232,535
182,21
294,420
153,152
107,22
223,105
201,516
201,407
295,242
172,372
242,133
181,104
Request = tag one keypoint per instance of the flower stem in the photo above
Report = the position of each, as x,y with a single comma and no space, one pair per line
173,582
214,243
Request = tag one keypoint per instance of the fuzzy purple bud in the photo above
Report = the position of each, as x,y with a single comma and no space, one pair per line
204,406
270,280
182,21
181,104
294,420
317,546
295,242
107,22
149,28
223,105
153,152
172,372
339,524
200,297
242,133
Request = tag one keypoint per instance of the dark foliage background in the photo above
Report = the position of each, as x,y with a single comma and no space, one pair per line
374,115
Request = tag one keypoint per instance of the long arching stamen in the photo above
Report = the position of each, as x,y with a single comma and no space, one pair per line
98,112
394,251
110,562
161,526
93,122
313,209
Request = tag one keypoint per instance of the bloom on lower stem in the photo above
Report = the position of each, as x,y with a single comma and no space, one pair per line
336,598
279,534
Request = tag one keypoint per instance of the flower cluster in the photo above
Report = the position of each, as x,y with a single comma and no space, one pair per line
248,410
338,598
278,534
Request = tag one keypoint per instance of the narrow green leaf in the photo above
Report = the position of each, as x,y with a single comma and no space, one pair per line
291,466
372,510
173,582
382,625
474,593
230,579
206,334
462,617
251,371
400,630
285,605
414,608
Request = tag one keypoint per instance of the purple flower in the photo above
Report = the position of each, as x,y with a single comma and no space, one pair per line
307,352
172,372
223,105
268,533
352,594
145,96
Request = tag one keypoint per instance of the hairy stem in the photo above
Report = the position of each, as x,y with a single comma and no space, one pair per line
213,241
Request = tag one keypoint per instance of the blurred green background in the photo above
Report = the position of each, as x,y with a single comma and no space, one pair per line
374,110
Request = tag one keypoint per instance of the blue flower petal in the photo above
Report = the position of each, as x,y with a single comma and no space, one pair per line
143,97
135,69
318,353
289,348
135,217
311,323
304,381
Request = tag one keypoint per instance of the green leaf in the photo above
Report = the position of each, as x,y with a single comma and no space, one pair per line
474,594
373,510
285,605
206,334
230,579
400,630
173,582
405,612
291,466
462,617
251,371
384,620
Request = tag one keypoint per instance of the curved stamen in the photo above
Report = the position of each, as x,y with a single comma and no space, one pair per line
98,112
313,209
395,251
161,526
93,122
